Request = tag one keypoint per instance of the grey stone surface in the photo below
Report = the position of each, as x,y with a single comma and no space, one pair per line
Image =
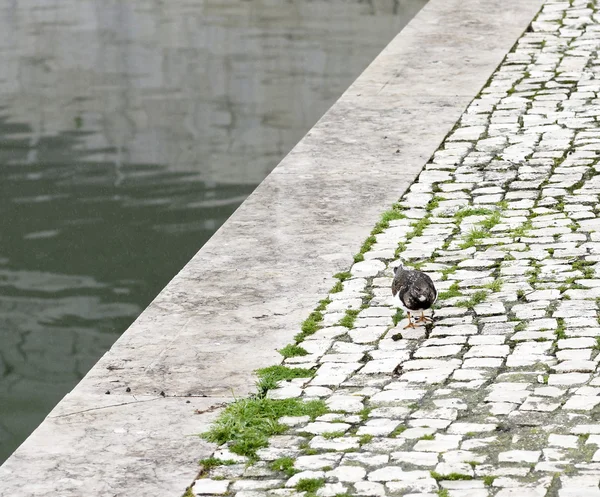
245,293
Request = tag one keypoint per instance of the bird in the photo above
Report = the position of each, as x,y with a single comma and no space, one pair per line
413,291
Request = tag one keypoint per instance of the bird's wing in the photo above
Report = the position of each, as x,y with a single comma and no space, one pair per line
399,282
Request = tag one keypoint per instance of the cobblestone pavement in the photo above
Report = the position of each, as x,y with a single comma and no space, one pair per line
500,396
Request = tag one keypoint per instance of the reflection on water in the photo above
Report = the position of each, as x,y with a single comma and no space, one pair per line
129,132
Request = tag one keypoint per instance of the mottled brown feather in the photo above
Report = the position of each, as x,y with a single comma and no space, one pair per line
410,285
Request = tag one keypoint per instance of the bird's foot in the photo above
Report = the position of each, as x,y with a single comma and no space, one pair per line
425,319
410,325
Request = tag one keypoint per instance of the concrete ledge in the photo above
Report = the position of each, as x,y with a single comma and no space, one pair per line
246,292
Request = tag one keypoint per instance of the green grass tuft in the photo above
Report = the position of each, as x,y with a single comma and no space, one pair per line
392,215
473,237
310,485
268,377
397,431
349,318
212,462
494,286
434,203
521,326
333,434
311,323
586,267
453,291
460,215
285,464
292,351
322,306
488,480
337,288
399,316
447,271
401,248
366,246
364,413
477,298
247,424
560,329
365,439
450,477
418,228
521,230
491,221
343,276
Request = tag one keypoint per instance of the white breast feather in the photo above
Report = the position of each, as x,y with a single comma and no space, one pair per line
398,302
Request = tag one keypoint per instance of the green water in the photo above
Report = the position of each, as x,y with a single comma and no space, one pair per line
129,132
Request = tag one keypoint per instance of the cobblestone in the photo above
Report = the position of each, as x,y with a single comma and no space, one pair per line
498,396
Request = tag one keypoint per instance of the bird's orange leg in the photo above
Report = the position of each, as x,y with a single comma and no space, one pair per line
410,323
424,319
